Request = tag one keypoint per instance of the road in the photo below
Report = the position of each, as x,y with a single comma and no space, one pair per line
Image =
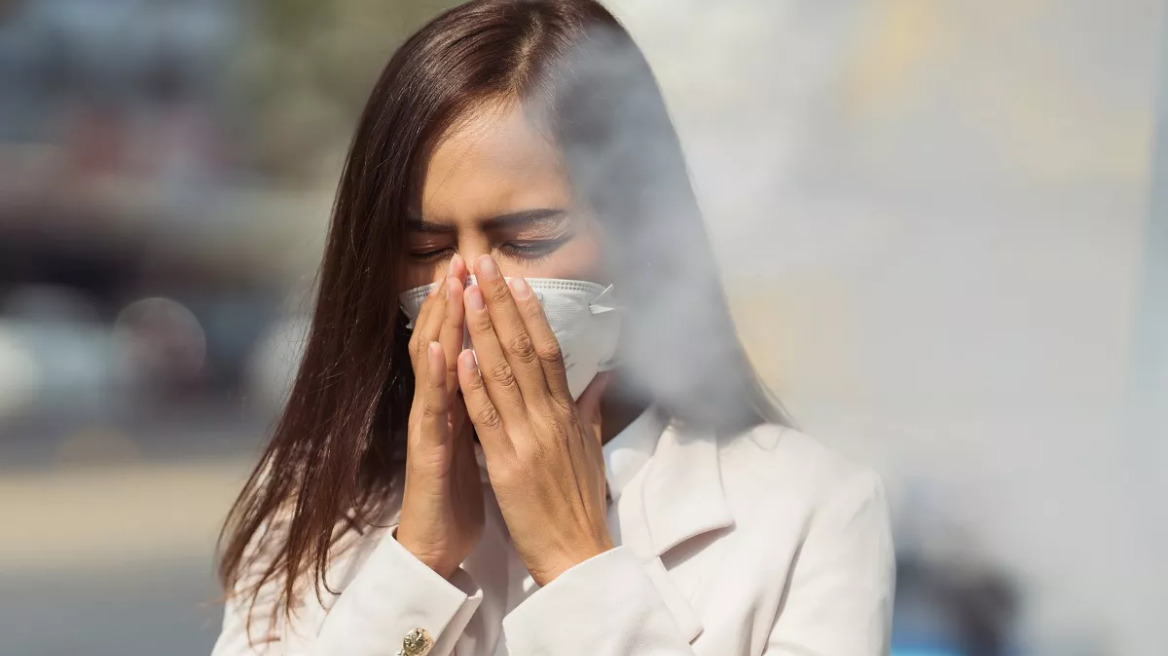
109,536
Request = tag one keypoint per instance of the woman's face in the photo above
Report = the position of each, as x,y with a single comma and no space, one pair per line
496,186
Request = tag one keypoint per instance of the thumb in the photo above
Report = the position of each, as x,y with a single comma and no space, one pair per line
589,402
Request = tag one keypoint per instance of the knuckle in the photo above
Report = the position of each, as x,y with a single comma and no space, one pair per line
480,320
500,292
521,347
421,356
431,410
550,352
532,310
488,418
503,375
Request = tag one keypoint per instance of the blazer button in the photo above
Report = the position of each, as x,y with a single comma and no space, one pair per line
416,643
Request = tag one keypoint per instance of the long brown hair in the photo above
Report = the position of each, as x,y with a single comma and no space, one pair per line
337,448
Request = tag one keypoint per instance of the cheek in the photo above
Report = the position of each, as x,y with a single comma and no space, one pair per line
417,274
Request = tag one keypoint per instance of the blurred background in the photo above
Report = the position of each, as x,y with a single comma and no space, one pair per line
943,224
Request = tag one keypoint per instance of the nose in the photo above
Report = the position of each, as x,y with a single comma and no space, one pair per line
471,256
471,248
471,251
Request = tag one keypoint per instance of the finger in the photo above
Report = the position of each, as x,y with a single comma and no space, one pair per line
435,408
480,410
493,368
426,327
510,331
590,416
450,334
425,313
543,339
458,268
589,403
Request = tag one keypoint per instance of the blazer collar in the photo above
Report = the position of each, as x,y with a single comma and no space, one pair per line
683,492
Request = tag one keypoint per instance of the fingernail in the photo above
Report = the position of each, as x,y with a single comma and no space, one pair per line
435,348
486,267
519,288
474,298
453,262
468,359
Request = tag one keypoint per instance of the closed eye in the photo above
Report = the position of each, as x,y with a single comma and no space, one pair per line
533,249
431,255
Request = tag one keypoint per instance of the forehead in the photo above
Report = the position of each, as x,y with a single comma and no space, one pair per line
492,162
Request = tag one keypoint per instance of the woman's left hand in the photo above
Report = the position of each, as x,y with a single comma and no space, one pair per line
542,448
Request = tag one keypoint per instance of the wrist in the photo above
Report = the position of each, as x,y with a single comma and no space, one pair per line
545,574
435,561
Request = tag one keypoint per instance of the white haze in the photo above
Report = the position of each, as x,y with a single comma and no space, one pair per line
930,218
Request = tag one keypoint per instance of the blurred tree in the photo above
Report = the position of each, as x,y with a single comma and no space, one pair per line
305,70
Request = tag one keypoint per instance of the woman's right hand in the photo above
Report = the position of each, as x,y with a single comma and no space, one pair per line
442,504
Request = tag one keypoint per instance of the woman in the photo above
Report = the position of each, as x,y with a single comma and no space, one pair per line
598,471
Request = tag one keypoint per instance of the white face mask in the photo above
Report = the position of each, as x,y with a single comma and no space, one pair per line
581,314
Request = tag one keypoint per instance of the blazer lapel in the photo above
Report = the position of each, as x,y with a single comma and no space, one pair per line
679,607
680,498
683,493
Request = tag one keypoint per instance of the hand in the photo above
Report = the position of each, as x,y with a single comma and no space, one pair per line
442,504
542,449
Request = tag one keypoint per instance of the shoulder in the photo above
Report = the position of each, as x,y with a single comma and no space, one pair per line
775,472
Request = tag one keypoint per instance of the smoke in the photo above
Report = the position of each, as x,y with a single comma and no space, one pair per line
929,220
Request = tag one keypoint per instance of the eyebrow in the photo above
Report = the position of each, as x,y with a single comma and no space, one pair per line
418,225
509,220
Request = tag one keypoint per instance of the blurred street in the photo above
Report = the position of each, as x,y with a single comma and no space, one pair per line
942,226
154,609
115,557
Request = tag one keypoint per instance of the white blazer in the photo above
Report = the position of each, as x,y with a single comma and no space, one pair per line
763,543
